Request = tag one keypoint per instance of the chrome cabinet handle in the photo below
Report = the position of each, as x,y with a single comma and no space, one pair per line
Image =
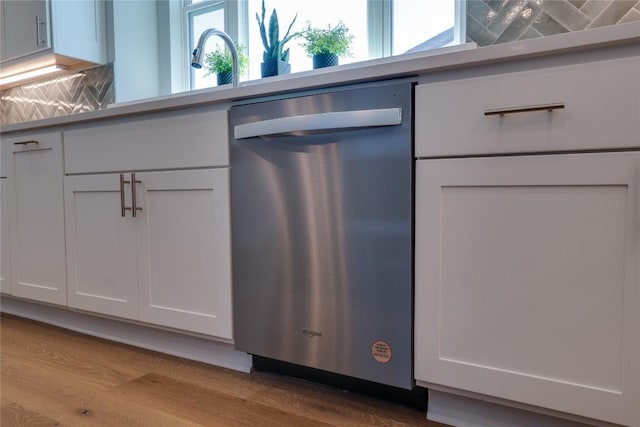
41,40
502,112
25,143
123,208
134,208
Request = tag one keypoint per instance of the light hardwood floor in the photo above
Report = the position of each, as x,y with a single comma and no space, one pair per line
54,377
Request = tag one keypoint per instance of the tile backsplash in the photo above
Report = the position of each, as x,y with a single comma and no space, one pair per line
500,21
84,91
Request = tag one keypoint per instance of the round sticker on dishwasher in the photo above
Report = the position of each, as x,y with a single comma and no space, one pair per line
381,351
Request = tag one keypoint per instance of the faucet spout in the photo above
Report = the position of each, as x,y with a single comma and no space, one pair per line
198,52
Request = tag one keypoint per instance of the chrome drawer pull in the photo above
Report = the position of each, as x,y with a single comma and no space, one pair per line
134,208
502,112
41,41
123,208
25,143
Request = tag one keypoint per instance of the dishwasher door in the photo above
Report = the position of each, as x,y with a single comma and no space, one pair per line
321,204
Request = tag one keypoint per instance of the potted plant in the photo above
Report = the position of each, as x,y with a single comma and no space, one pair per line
220,63
275,59
325,45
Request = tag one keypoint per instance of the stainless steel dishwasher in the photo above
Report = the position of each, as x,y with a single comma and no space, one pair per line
321,204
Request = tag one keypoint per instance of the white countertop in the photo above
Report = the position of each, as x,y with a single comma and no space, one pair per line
406,65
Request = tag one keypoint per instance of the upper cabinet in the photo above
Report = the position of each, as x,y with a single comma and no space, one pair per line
38,33
25,28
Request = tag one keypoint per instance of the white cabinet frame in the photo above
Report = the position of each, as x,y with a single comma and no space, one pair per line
527,280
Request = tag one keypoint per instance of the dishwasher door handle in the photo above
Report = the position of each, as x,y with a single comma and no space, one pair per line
321,122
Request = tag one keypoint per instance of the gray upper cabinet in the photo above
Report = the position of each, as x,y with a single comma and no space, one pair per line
72,32
25,28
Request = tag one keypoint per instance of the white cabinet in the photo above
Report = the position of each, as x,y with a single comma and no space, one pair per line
527,285
527,280
144,242
5,271
36,33
36,216
578,107
184,250
101,247
169,265
170,140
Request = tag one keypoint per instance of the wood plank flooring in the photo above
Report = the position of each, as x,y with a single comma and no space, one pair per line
54,377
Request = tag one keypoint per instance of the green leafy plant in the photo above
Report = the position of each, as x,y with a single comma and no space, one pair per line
332,40
221,61
273,46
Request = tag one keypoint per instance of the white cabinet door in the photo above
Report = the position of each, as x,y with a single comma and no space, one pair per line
25,28
101,246
5,272
527,280
184,250
169,265
36,217
78,29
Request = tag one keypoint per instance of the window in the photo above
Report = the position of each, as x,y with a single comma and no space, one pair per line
435,19
201,15
380,27
319,14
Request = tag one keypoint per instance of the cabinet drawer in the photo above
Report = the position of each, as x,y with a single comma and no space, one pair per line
169,140
27,142
600,100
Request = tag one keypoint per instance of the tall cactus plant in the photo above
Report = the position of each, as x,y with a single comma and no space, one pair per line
272,44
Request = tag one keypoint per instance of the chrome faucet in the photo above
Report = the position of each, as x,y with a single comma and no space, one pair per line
198,52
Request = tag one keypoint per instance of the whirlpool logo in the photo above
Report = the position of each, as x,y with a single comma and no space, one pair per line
311,333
